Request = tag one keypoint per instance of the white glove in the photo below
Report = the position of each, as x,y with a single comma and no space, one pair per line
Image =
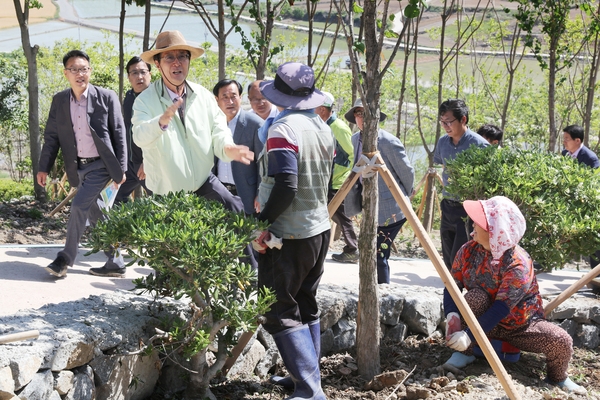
258,243
452,324
459,341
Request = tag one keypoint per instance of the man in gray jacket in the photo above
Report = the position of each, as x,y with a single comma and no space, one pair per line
240,179
390,218
85,123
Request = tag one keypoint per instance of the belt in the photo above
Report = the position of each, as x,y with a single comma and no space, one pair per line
84,161
232,189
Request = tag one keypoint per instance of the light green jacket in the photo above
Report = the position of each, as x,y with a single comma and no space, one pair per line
344,151
179,158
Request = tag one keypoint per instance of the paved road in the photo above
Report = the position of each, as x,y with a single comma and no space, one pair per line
24,283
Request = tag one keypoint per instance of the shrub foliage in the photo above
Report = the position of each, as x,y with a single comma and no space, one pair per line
10,189
559,197
194,245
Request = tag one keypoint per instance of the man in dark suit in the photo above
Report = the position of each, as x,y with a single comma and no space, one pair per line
573,136
84,122
138,74
242,180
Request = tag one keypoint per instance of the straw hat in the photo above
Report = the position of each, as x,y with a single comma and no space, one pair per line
168,41
358,103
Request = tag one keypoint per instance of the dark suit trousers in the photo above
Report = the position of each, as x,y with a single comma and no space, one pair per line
130,184
345,224
213,189
455,229
93,178
386,235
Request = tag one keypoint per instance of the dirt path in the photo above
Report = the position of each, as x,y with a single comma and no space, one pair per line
8,16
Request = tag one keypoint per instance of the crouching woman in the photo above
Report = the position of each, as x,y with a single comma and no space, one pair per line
503,293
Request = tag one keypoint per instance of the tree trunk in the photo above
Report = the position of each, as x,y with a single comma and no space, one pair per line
429,203
121,52
35,148
221,40
551,99
199,385
147,13
368,328
309,56
591,90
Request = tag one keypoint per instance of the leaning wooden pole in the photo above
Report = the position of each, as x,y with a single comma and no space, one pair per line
439,265
63,203
15,337
342,192
571,290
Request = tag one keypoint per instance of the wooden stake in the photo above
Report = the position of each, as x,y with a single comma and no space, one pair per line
236,351
63,203
571,290
342,193
15,337
439,265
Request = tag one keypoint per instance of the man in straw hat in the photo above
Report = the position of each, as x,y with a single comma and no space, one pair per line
295,170
180,127
390,218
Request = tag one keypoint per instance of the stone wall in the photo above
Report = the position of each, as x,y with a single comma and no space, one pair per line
84,349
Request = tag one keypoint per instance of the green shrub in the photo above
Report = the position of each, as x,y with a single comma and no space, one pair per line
559,198
194,245
10,189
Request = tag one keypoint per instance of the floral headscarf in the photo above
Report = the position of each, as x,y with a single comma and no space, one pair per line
506,225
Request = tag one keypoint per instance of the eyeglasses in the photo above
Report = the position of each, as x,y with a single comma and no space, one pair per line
233,97
359,114
139,72
75,71
170,59
447,123
258,101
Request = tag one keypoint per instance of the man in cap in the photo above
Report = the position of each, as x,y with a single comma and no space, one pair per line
295,172
180,127
239,179
343,161
85,123
390,218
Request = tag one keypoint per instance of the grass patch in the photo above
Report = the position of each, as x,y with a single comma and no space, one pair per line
10,189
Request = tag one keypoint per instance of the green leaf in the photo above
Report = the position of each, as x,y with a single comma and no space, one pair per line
359,47
411,11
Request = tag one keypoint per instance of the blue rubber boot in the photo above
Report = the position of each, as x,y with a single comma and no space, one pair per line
315,332
298,353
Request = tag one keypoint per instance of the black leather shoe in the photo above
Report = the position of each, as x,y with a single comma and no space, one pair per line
116,273
58,267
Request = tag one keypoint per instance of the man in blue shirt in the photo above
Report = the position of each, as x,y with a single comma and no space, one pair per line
454,230
573,136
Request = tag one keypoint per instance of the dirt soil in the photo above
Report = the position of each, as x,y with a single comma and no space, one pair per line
411,369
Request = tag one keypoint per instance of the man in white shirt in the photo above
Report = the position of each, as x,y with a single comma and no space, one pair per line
240,179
